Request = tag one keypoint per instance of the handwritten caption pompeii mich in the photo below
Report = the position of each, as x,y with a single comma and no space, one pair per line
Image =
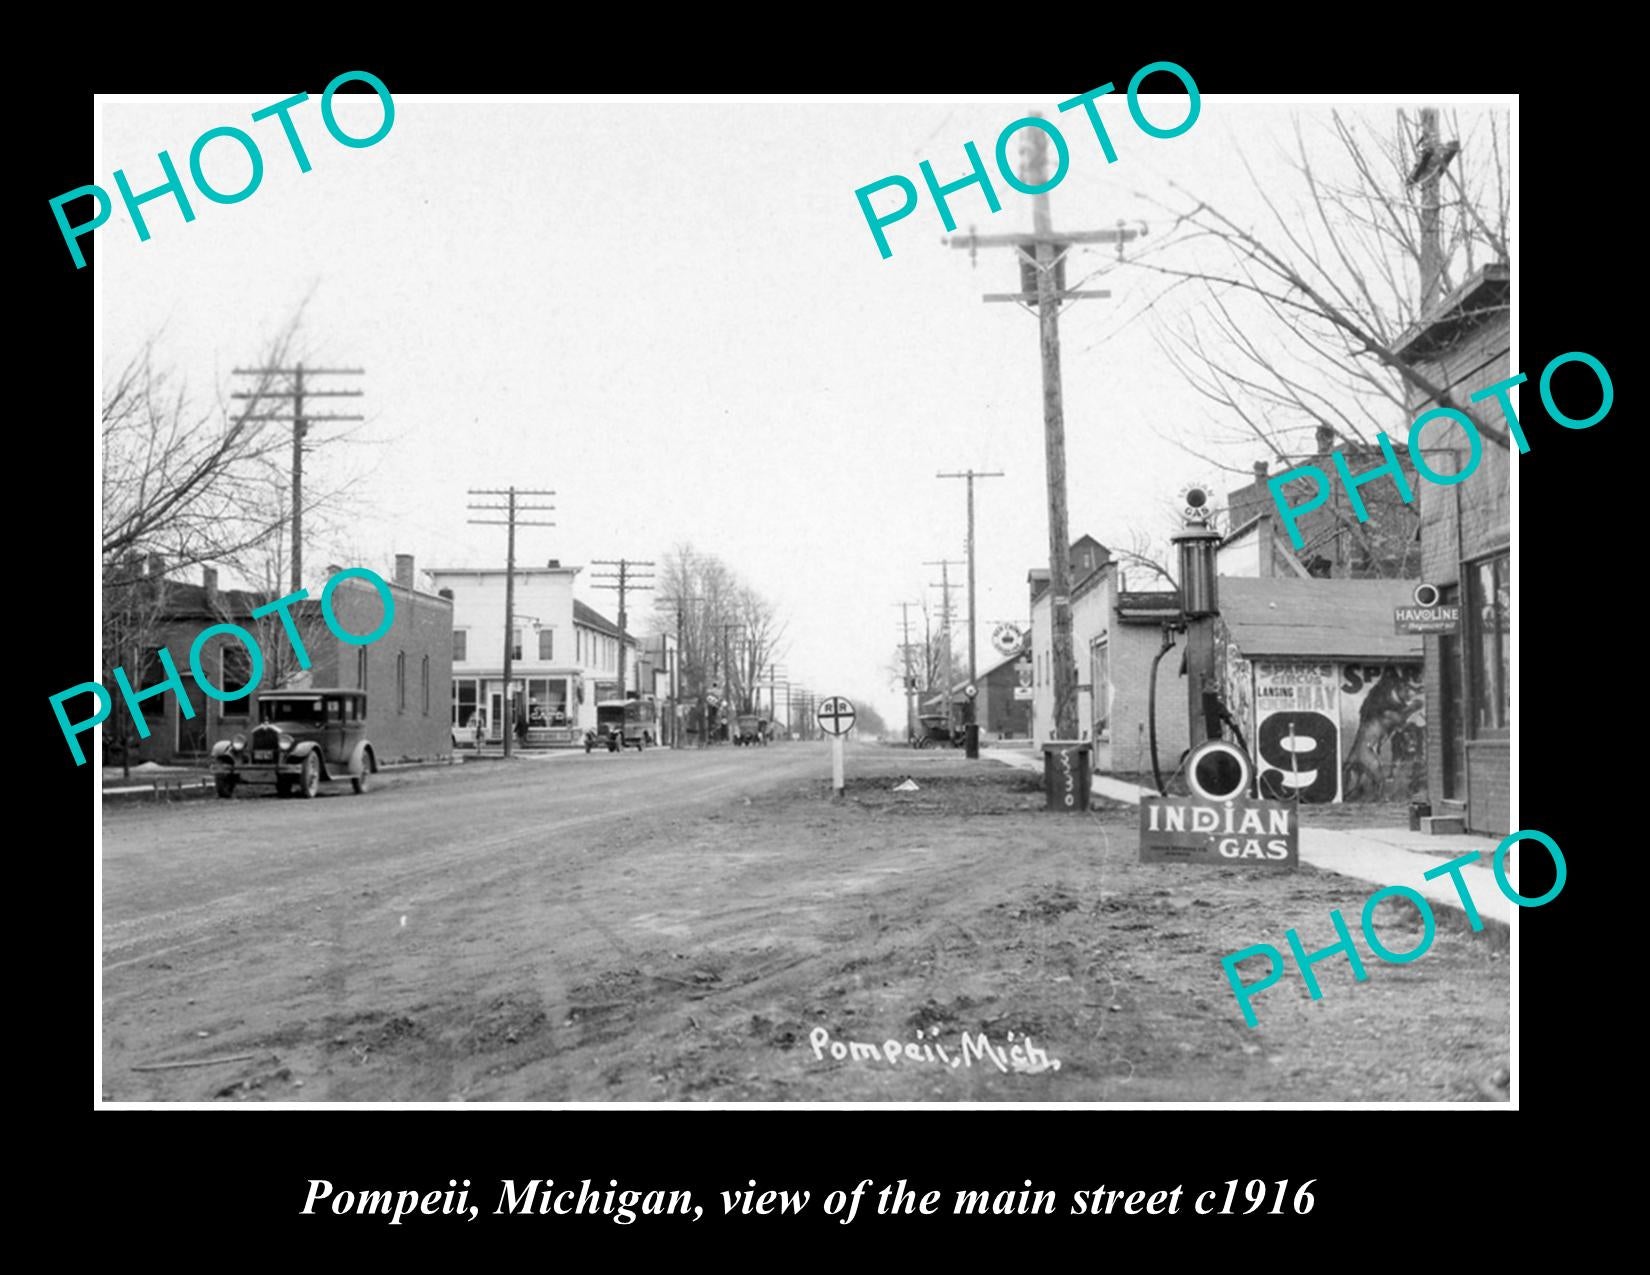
541,1196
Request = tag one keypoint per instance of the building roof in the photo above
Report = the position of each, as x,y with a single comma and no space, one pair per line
192,601
1232,536
593,619
1479,298
498,571
1317,619
962,684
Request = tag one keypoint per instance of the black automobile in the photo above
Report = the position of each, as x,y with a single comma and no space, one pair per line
302,739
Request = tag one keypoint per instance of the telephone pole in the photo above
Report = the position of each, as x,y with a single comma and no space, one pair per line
973,624
678,603
1042,285
910,682
626,580
511,508
300,427
1431,158
727,677
945,565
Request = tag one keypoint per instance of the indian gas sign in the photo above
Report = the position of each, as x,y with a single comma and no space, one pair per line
1238,830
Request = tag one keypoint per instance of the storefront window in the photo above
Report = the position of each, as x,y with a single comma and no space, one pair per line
1489,653
464,700
547,701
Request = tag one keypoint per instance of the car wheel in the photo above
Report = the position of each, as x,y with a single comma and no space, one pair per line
225,784
359,782
309,783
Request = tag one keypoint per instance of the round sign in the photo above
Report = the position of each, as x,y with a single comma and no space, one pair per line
1006,637
835,715
971,690
1217,770
1426,595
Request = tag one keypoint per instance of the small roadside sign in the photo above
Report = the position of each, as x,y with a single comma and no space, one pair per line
1007,638
1237,830
1428,615
836,718
1025,692
971,690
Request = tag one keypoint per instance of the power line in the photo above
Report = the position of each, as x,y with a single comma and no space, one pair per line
973,736
512,507
626,581
301,421
1042,256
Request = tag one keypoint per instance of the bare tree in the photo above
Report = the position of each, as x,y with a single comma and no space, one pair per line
729,634
187,483
1298,327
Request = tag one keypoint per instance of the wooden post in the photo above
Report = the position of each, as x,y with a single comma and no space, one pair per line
970,711
1054,450
298,427
509,622
836,765
1044,249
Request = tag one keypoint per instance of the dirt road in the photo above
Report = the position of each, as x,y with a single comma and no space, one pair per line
686,926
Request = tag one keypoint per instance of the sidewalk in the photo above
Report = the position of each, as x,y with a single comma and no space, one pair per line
1381,856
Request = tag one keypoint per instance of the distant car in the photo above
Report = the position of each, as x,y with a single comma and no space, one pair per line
302,739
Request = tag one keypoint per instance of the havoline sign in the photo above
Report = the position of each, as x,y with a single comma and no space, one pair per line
1428,615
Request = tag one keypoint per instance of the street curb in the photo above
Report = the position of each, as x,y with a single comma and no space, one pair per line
189,789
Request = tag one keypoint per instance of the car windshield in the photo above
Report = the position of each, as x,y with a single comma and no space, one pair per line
292,710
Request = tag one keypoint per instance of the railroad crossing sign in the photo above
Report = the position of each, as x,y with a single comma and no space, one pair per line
835,716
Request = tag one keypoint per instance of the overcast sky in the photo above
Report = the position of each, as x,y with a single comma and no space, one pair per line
674,315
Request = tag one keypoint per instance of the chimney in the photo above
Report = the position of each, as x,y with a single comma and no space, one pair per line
554,564
1261,468
209,577
446,593
1326,440
404,571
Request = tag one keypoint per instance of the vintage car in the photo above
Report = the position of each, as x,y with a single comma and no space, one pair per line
302,739
623,723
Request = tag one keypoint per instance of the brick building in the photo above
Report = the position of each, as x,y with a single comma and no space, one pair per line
1462,345
1336,545
170,614
406,672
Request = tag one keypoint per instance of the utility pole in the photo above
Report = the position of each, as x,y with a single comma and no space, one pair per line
1043,284
773,690
945,565
910,682
626,581
969,710
511,508
300,427
678,603
1430,161
727,677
